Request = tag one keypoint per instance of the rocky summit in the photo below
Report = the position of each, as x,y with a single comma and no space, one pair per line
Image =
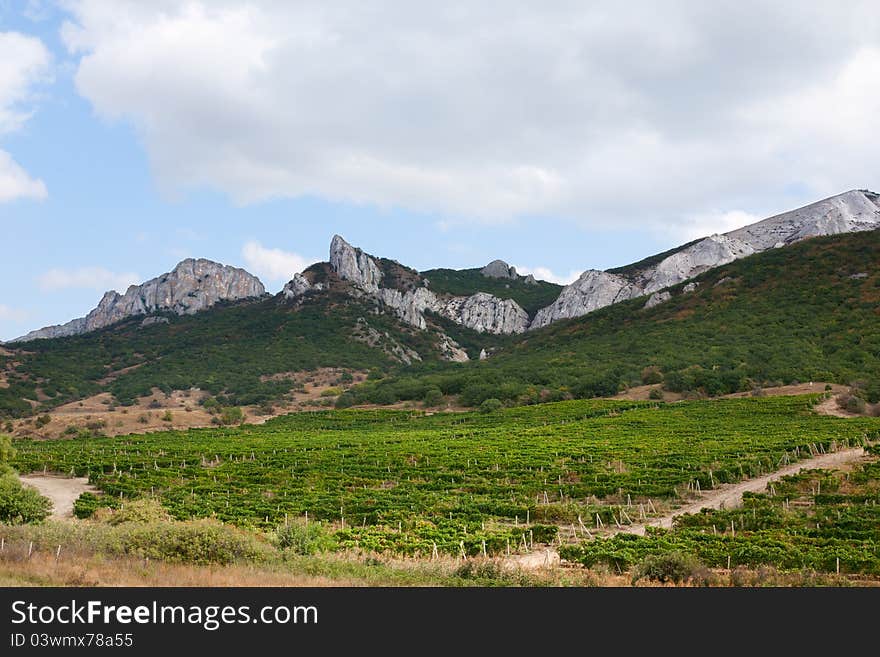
410,300
196,285
193,285
853,211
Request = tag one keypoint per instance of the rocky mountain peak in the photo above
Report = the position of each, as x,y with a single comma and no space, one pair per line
193,285
852,211
499,269
352,264
481,312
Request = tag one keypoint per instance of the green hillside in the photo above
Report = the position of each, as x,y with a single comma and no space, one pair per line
464,282
225,350
810,311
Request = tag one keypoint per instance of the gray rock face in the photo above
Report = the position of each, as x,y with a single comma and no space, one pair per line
193,285
593,290
451,350
657,298
152,320
298,286
499,269
352,264
853,211
481,312
690,287
850,212
707,253
489,314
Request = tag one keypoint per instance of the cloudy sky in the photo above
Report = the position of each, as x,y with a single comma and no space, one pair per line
559,136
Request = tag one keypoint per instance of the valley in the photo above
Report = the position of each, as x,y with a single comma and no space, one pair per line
707,415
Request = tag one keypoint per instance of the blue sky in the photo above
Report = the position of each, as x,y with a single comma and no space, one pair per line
137,134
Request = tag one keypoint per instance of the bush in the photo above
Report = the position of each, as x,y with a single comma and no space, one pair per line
491,405
87,504
198,542
144,510
42,421
231,415
656,393
433,397
331,392
345,400
167,417
303,538
19,504
674,567
652,374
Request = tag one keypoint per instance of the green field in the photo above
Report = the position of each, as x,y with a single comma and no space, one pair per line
405,482
815,520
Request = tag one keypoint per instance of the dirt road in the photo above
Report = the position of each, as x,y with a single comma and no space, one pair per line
730,495
63,491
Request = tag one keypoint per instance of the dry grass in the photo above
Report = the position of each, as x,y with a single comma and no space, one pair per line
98,412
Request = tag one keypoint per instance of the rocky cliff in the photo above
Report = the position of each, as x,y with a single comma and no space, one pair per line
481,312
852,211
193,285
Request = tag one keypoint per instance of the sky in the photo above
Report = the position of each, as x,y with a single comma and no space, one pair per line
558,136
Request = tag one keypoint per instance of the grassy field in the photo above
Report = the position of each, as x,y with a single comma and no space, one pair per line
407,483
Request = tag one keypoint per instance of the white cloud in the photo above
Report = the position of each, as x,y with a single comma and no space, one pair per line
89,278
8,314
703,225
273,265
546,274
16,183
635,115
24,62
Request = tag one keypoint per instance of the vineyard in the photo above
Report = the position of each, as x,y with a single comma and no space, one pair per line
818,520
413,483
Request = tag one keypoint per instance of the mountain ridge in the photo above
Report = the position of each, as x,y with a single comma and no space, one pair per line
195,285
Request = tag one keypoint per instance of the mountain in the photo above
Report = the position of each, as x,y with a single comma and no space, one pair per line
853,211
806,312
193,285
408,295
718,313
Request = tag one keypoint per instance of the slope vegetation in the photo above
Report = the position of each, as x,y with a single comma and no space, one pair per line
805,312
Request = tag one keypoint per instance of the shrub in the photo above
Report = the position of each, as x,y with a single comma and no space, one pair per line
855,404
42,421
652,374
303,538
87,503
19,504
433,397
673,567
167,417
491,405
345,400
144,510
231,415
544,533
656,393
331,392
198,542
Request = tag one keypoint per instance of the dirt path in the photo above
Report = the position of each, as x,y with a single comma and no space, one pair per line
730,495
63,491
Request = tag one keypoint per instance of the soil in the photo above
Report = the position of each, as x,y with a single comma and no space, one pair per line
62,491
149,414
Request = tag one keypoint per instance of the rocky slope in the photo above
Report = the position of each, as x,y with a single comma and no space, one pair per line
853,211
193,285
404,292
